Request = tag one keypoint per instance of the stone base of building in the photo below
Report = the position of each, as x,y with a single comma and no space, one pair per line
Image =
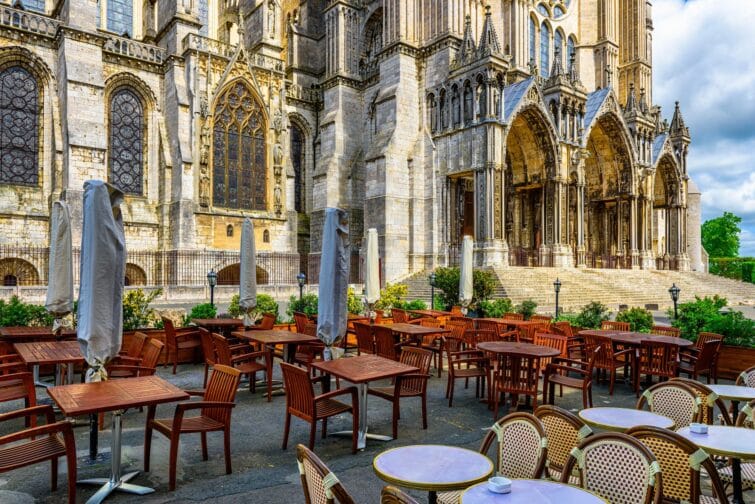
492,254
647,260
562,256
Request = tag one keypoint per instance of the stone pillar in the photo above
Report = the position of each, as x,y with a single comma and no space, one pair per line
580,223
633,233
560,251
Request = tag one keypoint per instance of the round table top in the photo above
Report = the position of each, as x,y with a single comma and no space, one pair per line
432,467
636,338
622,419
733,392
737,442
529,492
503,347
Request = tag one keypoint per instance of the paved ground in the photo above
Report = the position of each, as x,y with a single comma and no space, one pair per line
262,472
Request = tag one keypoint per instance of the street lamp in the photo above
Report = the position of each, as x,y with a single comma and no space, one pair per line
557,288
212,281
432,290
302,279
674,291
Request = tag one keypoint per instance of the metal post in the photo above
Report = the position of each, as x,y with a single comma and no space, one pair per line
212,295
93,424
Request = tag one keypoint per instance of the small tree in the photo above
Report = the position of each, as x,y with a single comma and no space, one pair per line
592,315
137,314
447,280
720,236
201,311
527,308
307,304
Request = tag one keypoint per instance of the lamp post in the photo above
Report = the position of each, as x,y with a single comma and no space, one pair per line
557,288
301,278
432,290
212,281
674,291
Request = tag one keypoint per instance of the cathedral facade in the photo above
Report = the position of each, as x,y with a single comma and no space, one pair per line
528,124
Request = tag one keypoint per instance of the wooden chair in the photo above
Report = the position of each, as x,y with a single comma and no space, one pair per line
300,319
302,402
745,419
747,377
688,354
611,325
709,400
433,342
385,343
307,353
598,459
464,364
467,321
318,482
563,327
474,336
660,330
516,374
246,363
408,385
564,431
456,310
672,399
607,359
513,316
147,365
179,339
208,352
527,333
365,338
133,354
218,399
657,358
680,461
702,362
557,372
392,495
267,322
457,328
15,386
555,341
400,316
490,325
45,442
541,318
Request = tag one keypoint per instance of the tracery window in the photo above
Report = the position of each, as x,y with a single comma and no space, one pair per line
126,143
239,160
456,106
432,113
297,160
34,5
120,16
533,43
558,47
545,45
443,110
19,127
570,47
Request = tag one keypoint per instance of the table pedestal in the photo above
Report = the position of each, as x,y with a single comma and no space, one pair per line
58,375
116,481
363,435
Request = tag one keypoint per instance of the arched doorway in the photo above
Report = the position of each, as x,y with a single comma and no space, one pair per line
134,275
15,271
231,275
666,227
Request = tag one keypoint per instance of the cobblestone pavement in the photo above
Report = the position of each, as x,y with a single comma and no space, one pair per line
262,472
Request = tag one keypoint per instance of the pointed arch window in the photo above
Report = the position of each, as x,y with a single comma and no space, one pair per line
545,46
120,17
533,43
238,150
570,48
558,47
19,127
297,161
468,103
126,141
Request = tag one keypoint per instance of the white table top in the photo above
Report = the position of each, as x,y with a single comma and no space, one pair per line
530,492
622,419
733,392
737,442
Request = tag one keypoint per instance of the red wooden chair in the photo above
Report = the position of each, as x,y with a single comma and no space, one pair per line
300,319
147,364
133,354
267,322
516,374
607,359
547,319
556,341
657,358
558,371
611,325
564,328
215,415
15,386
385,343
185,338
464,364
365,338
702,362
688,355
302,402
660,330
513,316
247,363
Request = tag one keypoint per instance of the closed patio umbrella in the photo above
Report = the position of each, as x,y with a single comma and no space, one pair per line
465,276
248,278
334,281
372,270
59,301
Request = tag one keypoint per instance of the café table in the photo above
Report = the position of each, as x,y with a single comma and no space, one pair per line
635,339
272,337
416,332
50,352
116,396
734,442
23,334
735,394
433,468
623,419
430,313
219,325
525,491
361,370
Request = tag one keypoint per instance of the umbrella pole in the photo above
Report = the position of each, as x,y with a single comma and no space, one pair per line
93,426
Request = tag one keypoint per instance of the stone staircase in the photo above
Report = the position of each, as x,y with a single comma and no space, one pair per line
612,287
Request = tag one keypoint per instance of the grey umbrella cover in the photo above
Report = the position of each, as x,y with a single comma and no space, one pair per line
248,277
334,280
59,301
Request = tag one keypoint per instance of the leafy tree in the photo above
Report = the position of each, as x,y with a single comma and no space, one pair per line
137,313
592,315
447,280
720,236
527,308
307,304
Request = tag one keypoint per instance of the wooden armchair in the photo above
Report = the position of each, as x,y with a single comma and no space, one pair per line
563,327
464,364
541,318
516,374
660,330
400,316
702,362
302,402
16,386
607,359
657,358
316,481
392,495
408,385
246,363
513,316
556,341
215,415
365,338
307,353
179,339
147,364
385,343
46,442
687,356
300,319
557,372
611,325
267,322
133,354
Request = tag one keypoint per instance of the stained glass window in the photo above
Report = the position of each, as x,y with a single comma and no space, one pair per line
558,12
297,160
533,43
203,17
239,163
19,127
542,9
34,5
558,47
570,43
545,45
126,141
120,16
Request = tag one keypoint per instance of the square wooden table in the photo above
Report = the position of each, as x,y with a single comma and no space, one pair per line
416,332
50,352
360,371
21,334
219,325
116,396
272,337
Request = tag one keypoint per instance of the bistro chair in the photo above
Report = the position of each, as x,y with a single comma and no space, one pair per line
408,385
400,316
246,363
45,442
385,343
541,318
527,333
490,325
392,495
146,366
300,319
611,325
565,431
208,352
657,358
702,362
607,359
703,338
474,336
320,486
747,377
464,364
660,330
680,461
745,419
457,328
433,342
617,467
515,374
557,372
563,327
133,354
672,399
522,450
513,316
185,338
302,402
365,338
555,341
218,399
15,386
709,400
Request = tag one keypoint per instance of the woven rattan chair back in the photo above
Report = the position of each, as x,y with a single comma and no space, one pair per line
618,468
565,431
521,445
746,417
709,400
399,316
300,319
672,399
392,495
564,328
659,358
680,462
747,377
300,394
611,325
224,381
513,316
138,340
419,358
385,342
365,339
666,331
208,347
151,353
319,484
704,337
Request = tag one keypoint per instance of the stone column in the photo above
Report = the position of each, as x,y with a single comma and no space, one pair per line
633,233
580,222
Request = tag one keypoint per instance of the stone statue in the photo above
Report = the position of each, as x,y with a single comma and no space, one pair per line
204,145
278,121
271,18
277,199
277,154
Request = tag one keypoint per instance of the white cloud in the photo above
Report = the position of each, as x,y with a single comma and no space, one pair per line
703,57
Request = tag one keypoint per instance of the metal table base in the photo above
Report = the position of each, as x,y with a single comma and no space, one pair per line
363,434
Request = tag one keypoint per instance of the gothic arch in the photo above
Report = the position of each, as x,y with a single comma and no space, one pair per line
614,137
299,134
231,275
22,271
127,79
667,183
134,275
20,55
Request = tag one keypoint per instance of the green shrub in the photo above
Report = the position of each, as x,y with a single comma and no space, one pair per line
447,280
201,311
354,302
640,319
265,304
137,313
234,310
438,303
495,308
416,304
694,315
572,318
392,295
747,270
17,313
307,304
527,308
592,315
735,327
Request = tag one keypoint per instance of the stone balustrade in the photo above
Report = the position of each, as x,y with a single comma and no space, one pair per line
196,42
298,92
28,21
133,49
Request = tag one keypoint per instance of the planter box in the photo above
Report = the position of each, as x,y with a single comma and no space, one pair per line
733,360
184,356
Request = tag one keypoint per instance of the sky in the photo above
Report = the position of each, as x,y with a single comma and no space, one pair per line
704,57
